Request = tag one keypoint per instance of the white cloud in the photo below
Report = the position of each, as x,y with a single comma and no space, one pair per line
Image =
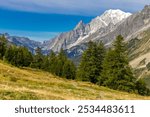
79,7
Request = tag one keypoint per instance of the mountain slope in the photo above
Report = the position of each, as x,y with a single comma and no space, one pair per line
139,53
27,83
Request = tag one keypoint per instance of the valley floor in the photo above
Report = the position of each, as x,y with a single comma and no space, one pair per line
27,84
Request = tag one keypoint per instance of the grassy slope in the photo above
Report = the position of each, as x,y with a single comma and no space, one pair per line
28,83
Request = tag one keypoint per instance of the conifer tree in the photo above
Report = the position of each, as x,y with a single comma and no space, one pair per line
37,59
46,64
91,63
61,59
69,70
14,55
141,88
3,43
52,62
27,57
19,57
9,54
116,72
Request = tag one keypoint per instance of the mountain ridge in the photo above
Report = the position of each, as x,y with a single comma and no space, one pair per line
82,31
129,26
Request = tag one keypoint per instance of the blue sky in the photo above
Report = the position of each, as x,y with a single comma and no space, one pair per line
44,19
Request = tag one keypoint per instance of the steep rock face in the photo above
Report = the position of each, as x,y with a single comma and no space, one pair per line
65,39
83,33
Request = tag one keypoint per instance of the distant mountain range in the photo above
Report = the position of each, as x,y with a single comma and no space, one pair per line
103,28
23,41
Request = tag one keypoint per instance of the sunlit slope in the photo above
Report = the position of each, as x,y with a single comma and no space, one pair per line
139,53
16,83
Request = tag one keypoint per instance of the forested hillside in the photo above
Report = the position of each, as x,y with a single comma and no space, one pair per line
27,83
100,66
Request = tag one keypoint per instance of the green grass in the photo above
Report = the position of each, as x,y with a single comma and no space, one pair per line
32,84
6,95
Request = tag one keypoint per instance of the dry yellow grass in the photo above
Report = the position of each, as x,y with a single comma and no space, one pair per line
27,83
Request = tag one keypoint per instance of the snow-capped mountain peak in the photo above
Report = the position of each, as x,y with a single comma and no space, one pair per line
82,33
109,16
115,15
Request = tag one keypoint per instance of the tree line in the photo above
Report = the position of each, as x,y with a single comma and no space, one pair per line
105,67
20,56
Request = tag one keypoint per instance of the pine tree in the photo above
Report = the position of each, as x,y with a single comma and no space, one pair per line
69,70
46,63
91,63
141,88
19,58
61,59
9,54
116,72
14,55
3,44
27,57
99,58
52,62
37,59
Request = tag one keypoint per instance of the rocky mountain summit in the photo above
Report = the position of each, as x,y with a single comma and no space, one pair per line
85,32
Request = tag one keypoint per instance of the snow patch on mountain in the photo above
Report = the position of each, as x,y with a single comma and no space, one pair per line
109,16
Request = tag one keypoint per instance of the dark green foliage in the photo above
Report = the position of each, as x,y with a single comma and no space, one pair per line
141,88
116,73
52,62
91,63
27,57
61,66
38,59
69,70
21,57
18,56
61,59
58,65
45,65
9,53
3,44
